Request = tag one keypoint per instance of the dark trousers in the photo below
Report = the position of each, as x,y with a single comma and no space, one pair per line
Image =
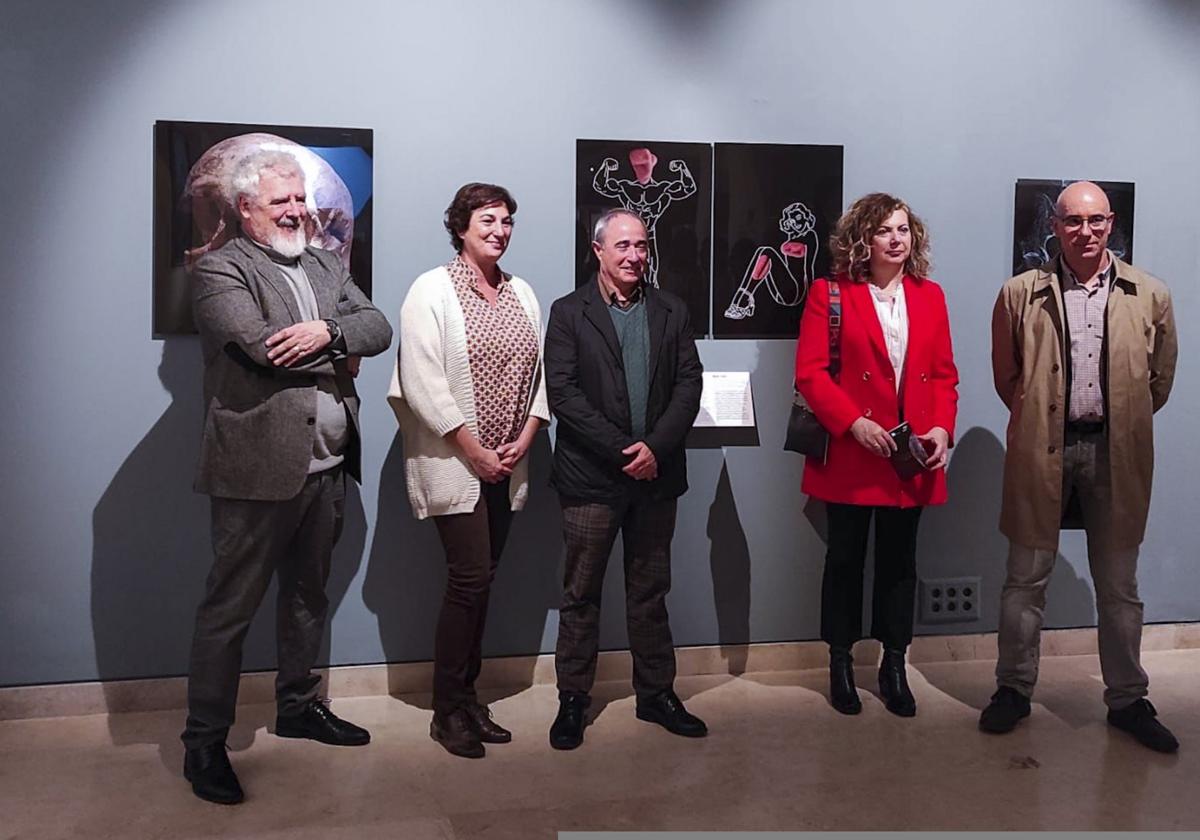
253,540
589,530
473,543
895,575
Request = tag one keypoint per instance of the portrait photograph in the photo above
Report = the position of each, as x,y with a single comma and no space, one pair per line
194,212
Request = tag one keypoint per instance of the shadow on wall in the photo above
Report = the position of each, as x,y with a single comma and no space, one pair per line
152,551
406,572
962,538
729,561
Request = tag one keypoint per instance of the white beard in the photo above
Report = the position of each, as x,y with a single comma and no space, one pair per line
287,243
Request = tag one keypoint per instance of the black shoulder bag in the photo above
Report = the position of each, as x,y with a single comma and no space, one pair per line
805,434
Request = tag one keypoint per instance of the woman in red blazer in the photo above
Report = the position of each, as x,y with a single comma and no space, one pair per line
896,365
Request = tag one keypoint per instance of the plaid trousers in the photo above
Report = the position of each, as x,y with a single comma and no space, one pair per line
589,530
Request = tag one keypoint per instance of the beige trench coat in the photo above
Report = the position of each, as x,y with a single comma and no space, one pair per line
1029,358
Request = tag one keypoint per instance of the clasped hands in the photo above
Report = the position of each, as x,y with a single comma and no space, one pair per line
495,465
644,466
291,344
875,439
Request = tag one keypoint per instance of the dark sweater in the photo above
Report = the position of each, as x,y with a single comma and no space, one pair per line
633,334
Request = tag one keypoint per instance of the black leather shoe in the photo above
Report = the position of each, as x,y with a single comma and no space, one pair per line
566,733
1007,708
488,730
843,696
456,732
667,711
211,774
317,723
893,685
1139,719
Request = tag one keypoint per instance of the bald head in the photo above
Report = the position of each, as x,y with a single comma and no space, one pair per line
1082,198
1083,221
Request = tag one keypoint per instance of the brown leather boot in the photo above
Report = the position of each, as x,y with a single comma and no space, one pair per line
456,732
489,731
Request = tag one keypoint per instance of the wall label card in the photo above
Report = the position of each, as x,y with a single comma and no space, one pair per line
726,400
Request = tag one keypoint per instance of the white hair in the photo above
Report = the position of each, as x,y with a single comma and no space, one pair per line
602,223
244,179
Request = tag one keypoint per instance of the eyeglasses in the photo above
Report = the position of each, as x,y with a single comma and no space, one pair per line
1096,222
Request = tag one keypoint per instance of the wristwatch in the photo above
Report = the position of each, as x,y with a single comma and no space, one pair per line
335,332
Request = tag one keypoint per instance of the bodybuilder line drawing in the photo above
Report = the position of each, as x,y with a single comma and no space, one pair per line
774,268
645,196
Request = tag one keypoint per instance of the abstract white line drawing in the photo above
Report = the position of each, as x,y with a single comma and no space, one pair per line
786,272
643,195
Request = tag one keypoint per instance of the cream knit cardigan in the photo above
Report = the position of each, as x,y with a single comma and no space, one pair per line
432,393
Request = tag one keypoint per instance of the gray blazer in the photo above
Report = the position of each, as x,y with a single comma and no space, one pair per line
259,418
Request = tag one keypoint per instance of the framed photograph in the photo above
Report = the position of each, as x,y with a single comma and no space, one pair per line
194,212
774,207
669,185
1034,241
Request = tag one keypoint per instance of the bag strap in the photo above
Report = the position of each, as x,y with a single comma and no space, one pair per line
835,329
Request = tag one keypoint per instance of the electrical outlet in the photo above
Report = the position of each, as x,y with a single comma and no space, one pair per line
949,599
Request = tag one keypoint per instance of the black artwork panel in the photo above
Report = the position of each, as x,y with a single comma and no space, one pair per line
773,209
194,213
1034,241
670,186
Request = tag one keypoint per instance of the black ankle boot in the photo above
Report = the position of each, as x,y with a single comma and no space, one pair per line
842,693
893,685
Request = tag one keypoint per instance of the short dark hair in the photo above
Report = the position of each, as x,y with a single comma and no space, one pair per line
468,199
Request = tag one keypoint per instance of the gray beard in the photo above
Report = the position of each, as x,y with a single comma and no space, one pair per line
289,245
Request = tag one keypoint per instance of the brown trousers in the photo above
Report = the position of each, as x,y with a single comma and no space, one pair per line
473,543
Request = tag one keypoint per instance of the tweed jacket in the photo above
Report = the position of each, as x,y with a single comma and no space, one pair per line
259,419
1030,364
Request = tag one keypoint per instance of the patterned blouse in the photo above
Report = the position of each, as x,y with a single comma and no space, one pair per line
503,351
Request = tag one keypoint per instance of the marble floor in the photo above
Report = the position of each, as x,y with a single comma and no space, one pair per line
778,757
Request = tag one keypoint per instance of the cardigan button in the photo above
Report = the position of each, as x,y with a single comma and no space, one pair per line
1054,368
1053,407
867,413
312,420
924,377
1051,450
866,375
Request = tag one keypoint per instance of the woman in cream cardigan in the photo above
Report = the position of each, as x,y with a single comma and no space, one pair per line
470,395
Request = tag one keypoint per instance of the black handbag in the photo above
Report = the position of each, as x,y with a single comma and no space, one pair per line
805,434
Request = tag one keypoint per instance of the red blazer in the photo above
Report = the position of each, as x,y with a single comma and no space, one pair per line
865,388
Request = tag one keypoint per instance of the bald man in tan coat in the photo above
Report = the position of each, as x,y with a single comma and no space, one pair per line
1083,354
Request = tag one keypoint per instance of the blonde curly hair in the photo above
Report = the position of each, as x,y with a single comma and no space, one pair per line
850,242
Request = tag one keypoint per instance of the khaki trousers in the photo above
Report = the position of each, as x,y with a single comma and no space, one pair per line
1114,575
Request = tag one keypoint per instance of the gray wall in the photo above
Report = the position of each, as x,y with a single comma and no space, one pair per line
945,103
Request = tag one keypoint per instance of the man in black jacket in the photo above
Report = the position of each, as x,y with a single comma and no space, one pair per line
624,381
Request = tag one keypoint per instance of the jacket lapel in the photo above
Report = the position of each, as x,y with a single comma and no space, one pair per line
1048,289
271,275
864,308
656,319
323,290
919,319
596,311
